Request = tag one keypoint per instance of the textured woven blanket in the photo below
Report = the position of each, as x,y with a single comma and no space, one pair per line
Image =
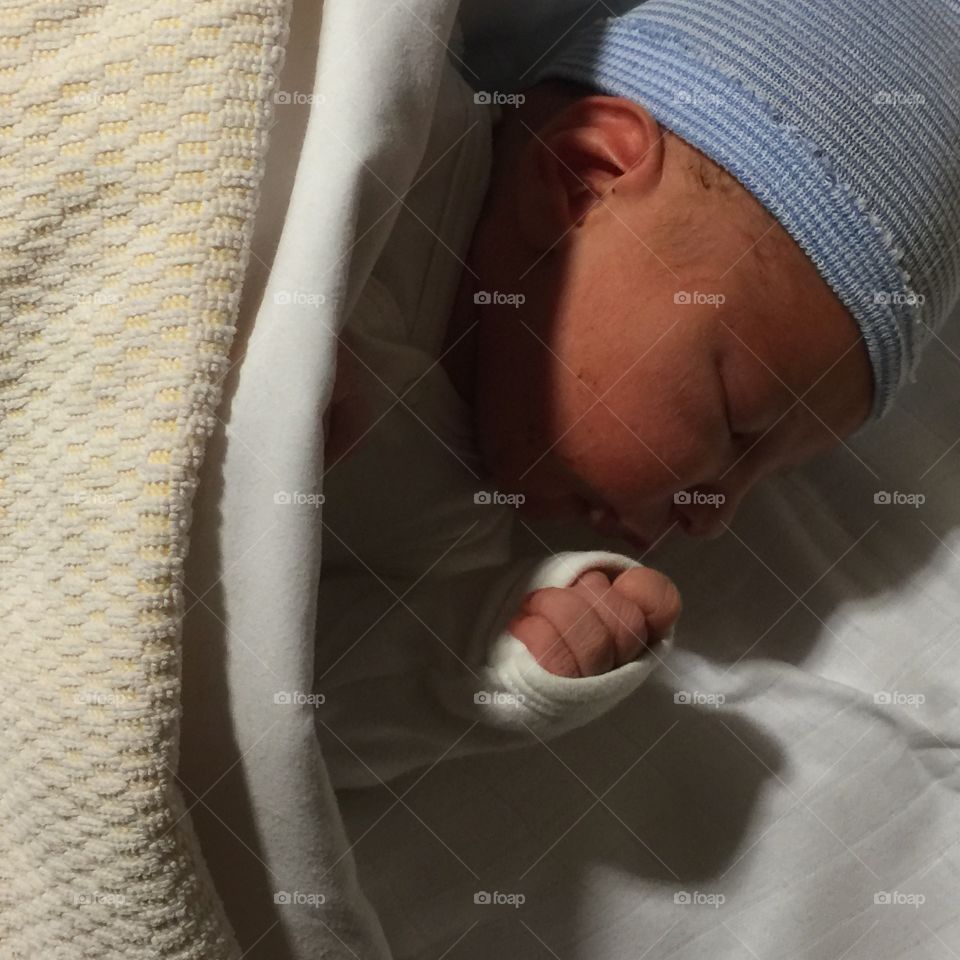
133,138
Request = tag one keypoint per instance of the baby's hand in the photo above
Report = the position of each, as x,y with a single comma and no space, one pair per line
594,625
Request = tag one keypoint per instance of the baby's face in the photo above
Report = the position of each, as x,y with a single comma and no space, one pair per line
654,378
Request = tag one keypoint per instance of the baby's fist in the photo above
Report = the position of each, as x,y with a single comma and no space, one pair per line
593,625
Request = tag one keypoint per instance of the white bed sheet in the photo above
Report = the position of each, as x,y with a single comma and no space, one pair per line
805,808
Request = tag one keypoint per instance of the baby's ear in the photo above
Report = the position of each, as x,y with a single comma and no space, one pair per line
593,146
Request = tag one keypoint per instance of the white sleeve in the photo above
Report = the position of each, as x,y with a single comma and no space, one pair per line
407,679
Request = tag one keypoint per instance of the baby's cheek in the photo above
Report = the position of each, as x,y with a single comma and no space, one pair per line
517,451
601,454
574,433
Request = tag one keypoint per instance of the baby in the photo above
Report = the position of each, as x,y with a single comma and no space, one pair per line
691,254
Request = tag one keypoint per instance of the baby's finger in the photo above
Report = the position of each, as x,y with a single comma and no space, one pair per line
540,637
655,594
596,582
578,625
623,618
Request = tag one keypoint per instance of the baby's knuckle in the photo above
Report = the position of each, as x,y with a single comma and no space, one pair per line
562,605
588,637
671,603
655,591
631,624
633,618
636,580
594,582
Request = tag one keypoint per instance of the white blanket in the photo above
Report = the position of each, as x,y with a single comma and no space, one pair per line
781,802
366,75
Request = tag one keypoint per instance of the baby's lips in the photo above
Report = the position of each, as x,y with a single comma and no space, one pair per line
604,521
607,523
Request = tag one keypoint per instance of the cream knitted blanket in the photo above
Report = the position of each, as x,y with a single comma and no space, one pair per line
134,136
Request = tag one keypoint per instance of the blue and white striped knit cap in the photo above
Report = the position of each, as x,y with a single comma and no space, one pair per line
842,117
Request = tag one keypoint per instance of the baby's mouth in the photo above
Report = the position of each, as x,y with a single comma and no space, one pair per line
607,523
604,519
